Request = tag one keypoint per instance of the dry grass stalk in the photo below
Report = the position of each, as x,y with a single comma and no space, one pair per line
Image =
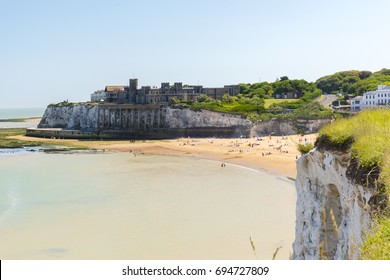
322,253
323,213
334,223
351,246
276,252
253,246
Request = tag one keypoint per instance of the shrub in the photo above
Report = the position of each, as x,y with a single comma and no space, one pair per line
305,148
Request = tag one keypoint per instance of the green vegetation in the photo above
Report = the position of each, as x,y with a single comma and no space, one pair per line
305,148
377,245
13,120
312,110
367,135
6,142
67,103
257,103
369,132
249,107
353,82
64,103
269,102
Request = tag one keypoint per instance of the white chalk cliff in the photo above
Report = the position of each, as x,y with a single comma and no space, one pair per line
85,117
81,116
186,118
333,212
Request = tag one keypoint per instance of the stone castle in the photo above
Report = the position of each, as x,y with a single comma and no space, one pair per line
163,95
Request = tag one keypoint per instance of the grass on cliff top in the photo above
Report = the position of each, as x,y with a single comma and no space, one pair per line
377,245
6,142
369,134
269,102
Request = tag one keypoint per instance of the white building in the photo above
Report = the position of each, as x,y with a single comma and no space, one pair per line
99,95
372,99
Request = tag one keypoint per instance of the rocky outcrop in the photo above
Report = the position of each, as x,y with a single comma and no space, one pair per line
333,209
288,127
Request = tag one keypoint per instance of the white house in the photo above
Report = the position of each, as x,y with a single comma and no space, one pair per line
372,99
99,95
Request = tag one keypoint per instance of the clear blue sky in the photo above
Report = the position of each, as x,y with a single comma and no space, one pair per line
66,49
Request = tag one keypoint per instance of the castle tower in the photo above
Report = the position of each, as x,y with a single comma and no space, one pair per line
133,85
178,87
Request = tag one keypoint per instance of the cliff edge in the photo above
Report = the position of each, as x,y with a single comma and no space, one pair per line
333,212
342,188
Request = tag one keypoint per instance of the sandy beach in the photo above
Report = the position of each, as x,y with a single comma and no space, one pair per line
32,120
273,154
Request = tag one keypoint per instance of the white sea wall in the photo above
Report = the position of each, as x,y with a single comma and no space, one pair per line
186,118
332,212
80,116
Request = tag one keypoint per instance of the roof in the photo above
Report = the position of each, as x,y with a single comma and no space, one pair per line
358,98
114,88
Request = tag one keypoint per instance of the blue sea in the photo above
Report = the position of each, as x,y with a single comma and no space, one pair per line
20,113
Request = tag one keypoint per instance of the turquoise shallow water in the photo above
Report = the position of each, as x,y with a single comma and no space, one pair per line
117,206
19,113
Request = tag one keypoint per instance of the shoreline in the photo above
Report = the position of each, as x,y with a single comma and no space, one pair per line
21,120
275,155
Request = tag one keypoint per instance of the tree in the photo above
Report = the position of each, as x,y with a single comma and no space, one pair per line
283,78
227,98
244,88
364,74
259,92
257,101
203,98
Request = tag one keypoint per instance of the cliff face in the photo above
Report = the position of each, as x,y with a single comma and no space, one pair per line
82,117
86,117
286,127
141,121
332,211
186,118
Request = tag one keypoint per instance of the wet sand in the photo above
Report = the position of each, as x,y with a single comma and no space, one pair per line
32,120
275,154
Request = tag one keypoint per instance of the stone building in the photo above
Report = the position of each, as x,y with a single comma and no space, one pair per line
163,95
288,95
